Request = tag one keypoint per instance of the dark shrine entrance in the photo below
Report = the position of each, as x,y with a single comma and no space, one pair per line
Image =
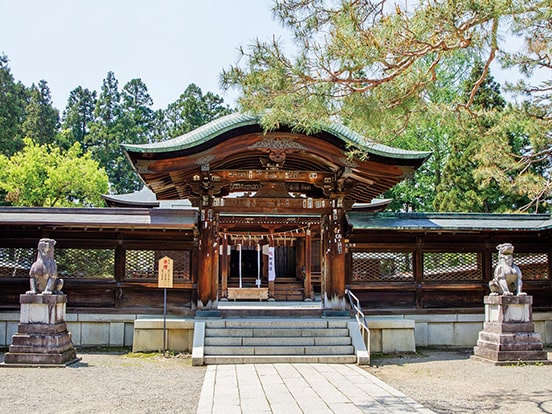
244,263
278,253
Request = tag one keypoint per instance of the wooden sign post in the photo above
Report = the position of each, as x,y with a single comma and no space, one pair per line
165,280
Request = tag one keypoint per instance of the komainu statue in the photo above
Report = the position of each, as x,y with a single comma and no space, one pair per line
43,273
507,276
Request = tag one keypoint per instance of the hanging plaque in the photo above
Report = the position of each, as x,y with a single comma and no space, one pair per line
165,278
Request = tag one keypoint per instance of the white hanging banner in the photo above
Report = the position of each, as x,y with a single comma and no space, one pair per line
239,247
271,265
258,281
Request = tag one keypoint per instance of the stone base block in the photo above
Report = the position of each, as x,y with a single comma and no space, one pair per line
40,343
48,309
498,327
42,338
520,341
508,334
34,359
506,309
510,358
44,329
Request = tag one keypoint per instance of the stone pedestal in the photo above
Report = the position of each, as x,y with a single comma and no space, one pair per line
42,338
508,334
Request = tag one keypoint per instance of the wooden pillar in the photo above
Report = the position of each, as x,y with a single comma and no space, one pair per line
335,259
271,282
309,292
207,280
216,265
224,263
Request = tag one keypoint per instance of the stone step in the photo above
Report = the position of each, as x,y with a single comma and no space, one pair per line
279,350
299,323
264,340
278,341
275,333
275,359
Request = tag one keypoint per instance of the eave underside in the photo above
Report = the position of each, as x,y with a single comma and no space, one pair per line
303,165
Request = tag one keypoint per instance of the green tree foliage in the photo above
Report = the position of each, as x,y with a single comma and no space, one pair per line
531,121
107,132
432,131
380,56
135,123
137,111
159,128
460,189
98,123
12,110
41,118
516,160
374,66
78,115
192,110
46,176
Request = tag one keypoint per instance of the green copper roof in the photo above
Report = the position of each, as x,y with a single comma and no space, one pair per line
449,221
236,120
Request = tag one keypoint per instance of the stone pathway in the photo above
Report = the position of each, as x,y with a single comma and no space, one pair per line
299,388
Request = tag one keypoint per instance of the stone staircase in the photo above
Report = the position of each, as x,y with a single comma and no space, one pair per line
273,340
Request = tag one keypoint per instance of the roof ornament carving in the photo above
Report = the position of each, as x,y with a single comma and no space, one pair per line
205,160
277,148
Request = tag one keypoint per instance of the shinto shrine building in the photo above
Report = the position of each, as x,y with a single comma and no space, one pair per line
276,215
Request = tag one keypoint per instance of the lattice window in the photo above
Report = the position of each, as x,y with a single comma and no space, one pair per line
143,264
449,266
94,263
86,263
533,266
377,266
16,262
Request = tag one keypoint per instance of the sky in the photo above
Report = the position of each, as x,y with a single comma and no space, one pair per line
169,44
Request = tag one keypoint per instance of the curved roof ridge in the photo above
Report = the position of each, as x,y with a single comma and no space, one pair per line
203,133
237,119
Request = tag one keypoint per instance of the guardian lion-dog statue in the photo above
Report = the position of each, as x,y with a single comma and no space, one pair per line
43,273
507,276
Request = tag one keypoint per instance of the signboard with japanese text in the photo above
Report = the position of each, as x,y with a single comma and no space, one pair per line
165,278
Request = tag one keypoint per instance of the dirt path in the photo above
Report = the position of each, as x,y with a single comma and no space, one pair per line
449,382
104,383
445,381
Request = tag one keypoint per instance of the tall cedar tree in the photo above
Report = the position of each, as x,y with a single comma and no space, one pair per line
13,98
193,109
78,115
41,122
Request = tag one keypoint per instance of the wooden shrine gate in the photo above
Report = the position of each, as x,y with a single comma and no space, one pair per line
240,177
295,253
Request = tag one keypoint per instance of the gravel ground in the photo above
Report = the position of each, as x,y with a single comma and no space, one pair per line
449,382
121,382
104,383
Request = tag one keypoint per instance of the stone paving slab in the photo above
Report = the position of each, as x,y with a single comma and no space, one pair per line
299,388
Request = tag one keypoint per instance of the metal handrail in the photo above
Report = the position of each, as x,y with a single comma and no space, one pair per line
359,315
